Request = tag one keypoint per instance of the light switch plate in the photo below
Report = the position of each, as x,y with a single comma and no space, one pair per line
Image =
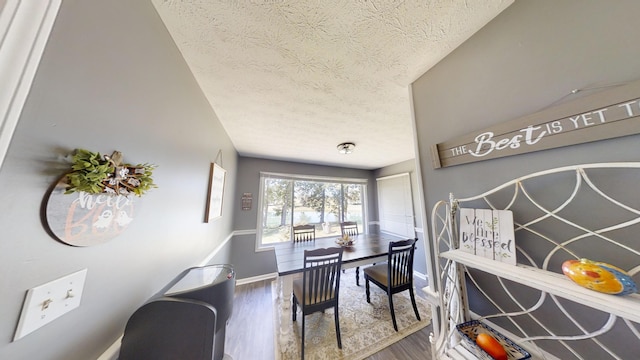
49,301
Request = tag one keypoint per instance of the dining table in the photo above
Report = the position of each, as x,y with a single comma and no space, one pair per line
365,249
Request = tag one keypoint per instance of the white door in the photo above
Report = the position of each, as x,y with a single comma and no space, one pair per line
395,205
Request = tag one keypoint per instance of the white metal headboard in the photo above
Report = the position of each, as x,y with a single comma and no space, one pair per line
591,211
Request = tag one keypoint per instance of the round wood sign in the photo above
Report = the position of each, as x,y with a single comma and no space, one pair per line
82,219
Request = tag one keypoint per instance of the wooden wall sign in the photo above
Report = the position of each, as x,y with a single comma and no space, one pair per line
605,115
488,233
247,200
82,219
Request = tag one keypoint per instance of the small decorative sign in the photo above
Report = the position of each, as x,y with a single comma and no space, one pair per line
247,199
488,233
605,115
83,219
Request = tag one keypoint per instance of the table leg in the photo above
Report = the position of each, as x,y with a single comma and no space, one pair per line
285,284
285,289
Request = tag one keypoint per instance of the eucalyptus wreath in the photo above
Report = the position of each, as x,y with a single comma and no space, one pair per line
96,174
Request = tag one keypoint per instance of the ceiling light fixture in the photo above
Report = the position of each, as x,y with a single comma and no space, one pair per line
346,148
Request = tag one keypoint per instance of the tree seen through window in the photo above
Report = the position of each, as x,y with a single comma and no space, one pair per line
324,204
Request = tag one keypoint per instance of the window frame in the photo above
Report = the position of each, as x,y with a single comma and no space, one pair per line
259,246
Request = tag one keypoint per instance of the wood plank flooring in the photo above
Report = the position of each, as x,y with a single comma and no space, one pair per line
250,330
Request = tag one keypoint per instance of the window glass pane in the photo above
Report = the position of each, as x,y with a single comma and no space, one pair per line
276,212
332,210
308,200
287,202
353,204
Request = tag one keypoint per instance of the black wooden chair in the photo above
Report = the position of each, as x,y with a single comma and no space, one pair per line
350,228
319,287
303,233
396,275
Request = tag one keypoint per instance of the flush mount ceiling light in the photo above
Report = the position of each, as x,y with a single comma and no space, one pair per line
346,148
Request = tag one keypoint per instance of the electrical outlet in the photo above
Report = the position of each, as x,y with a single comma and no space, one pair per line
49,301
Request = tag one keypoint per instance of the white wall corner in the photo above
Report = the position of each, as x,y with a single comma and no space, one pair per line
25,26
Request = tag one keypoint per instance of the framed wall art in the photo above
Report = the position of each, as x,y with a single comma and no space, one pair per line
216,192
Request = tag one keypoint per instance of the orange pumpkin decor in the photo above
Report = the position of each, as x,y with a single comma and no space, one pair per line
599,276
491,346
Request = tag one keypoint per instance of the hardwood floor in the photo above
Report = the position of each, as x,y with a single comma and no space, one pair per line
250,330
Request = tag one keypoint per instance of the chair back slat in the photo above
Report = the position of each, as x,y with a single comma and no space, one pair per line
321,278
400,262
349,228
303,233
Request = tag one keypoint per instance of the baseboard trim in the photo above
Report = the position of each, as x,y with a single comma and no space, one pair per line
253,279
113,351
420,275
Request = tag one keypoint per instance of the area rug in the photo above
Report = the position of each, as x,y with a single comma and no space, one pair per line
365,328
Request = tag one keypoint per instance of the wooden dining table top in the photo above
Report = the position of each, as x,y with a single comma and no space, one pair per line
290,255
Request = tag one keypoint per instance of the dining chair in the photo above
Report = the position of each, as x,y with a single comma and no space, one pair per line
350,228
319,287
303,233
395,275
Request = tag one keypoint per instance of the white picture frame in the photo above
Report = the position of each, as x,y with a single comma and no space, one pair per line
217,177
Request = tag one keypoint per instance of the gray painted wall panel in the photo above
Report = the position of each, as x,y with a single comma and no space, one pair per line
111,78
528,58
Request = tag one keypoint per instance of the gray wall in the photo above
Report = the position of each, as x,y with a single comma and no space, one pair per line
528,58
248,261
110,79
409,166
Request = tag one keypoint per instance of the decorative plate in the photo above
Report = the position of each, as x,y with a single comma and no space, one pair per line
599,276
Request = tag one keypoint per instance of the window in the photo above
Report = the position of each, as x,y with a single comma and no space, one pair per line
288,200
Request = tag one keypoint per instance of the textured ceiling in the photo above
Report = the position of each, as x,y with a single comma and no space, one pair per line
291,79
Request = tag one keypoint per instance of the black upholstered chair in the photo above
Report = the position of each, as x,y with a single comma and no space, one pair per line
395,275
319,287
303,233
